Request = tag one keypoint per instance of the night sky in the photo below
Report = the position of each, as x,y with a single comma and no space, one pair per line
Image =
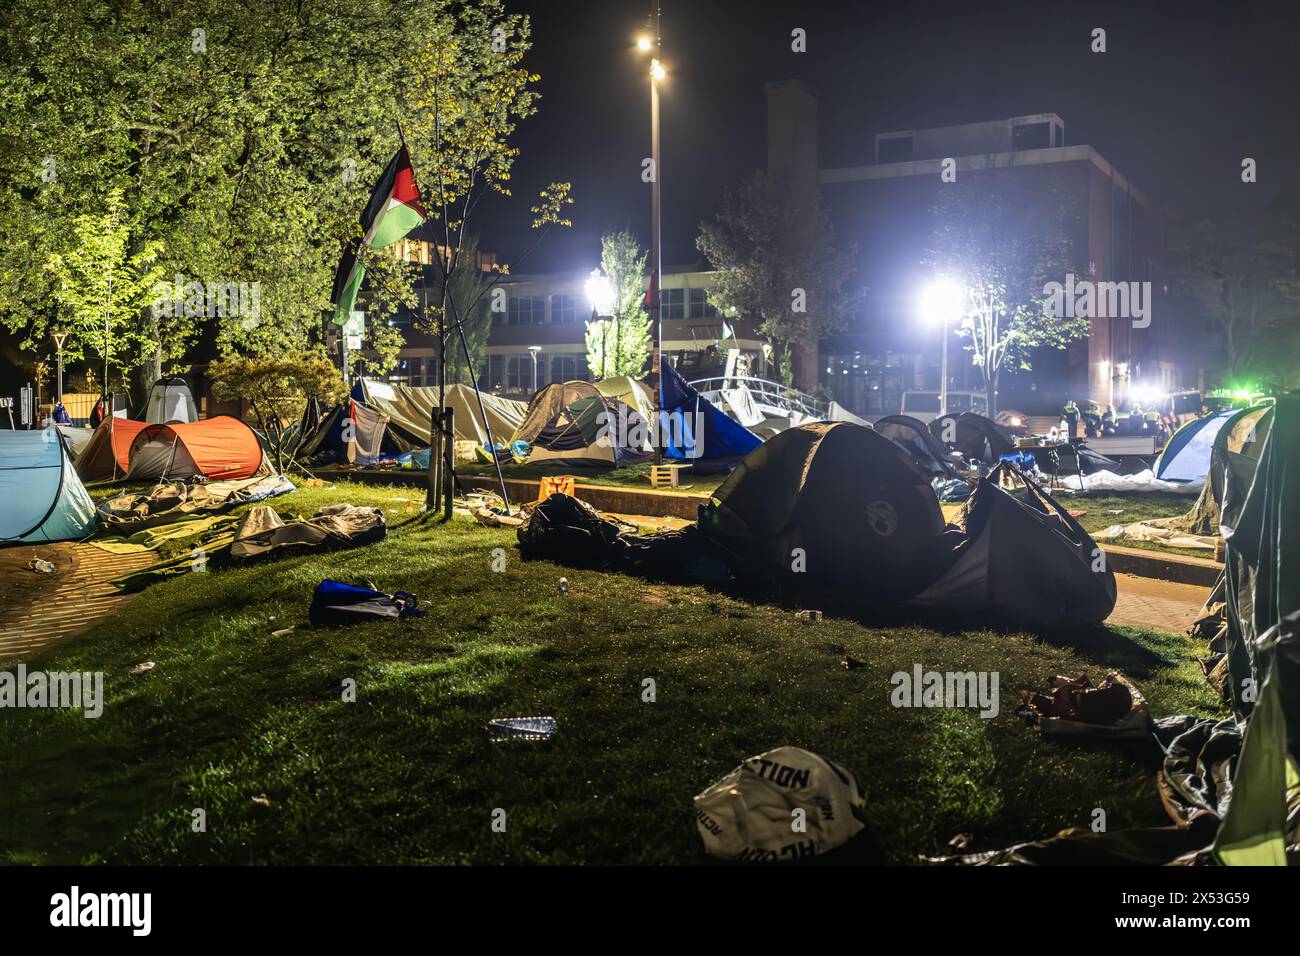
1183,93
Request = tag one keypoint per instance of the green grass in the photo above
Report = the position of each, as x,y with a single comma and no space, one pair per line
633,476
1134,507
406,774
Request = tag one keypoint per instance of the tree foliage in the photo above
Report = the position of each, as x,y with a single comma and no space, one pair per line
1002,250
241,139
100,289
622,346
777,262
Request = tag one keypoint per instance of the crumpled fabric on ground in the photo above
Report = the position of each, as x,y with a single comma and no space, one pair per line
170,501
261,529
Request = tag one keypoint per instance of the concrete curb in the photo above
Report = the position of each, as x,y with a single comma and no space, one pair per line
677,504
1164,567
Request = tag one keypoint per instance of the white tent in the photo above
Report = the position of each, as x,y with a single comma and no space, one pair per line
170,400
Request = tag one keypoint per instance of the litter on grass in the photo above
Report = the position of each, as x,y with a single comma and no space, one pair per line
503,730
747,815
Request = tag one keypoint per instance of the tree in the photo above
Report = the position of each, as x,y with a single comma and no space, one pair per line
466,91
100,291
1002,249
277,388
1244,273
622,346
777,262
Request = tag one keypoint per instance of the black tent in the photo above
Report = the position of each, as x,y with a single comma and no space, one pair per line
973,436
914,438
830,505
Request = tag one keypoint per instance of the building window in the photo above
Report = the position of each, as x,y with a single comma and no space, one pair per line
698,302
415,371
526,310
672,303
864,384
564,308
519,373
569,368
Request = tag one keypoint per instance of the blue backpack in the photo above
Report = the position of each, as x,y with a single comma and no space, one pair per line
337,603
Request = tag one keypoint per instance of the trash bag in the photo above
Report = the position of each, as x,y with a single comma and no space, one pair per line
569,531
337,603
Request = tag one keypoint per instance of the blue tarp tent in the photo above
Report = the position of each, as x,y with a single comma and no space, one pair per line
1186,456
41,496
695,430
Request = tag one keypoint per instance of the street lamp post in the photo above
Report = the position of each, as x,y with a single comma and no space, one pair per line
653,44
58,336
942,299
533,350
600,293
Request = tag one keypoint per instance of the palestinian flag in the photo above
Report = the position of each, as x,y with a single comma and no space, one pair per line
393,211
651,299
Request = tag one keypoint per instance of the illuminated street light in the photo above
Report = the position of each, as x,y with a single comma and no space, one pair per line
943,300
657,70
600,293
534,350
644,43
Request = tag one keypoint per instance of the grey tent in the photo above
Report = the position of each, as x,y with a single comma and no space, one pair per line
574,424
1234,456
1023,559
913,437
410,412
973,437
170,400
349,432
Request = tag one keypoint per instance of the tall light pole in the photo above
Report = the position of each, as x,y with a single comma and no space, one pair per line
652,42
943,299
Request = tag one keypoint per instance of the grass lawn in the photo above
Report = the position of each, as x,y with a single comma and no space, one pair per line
406,775
633,476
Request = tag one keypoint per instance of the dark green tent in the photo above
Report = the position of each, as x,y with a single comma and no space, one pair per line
833,506
1262,530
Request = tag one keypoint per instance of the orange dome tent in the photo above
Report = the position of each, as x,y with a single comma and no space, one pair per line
220,448
107,454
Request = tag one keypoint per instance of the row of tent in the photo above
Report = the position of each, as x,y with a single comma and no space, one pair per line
580,424
43,493
836,513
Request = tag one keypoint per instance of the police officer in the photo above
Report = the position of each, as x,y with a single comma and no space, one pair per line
1071,415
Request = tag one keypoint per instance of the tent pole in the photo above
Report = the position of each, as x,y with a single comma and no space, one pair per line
469,366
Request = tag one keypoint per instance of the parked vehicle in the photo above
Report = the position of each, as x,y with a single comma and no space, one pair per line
924,405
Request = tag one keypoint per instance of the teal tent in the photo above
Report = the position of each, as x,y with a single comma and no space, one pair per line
41,496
